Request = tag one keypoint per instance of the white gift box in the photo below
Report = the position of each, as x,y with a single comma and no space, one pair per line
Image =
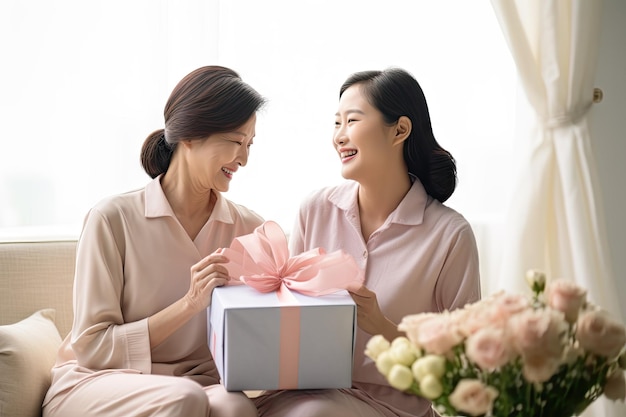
260,341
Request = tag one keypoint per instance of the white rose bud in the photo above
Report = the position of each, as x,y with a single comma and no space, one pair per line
429,365
402,353
376,345
416,351
431,387
400,377
400,340
384,362
405,342
536,280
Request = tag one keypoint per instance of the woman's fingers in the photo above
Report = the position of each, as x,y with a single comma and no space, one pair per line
362,295
212,282
213,259
207,274
211,266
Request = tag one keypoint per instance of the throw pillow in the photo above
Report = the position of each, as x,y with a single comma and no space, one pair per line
28,351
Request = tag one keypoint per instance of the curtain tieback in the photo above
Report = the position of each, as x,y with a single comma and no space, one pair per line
574,117
567,119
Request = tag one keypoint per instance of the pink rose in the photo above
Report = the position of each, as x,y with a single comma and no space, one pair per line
495,310
615,388
566,297
473,318
412,322
540,368
473,397
539,332
489,348
438,334
598,333
507,305
435,333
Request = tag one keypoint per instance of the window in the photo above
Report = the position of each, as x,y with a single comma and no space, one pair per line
83,84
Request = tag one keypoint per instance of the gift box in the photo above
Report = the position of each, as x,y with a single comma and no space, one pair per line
283,322
259,342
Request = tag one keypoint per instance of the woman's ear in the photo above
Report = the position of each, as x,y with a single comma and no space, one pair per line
402,129
186,143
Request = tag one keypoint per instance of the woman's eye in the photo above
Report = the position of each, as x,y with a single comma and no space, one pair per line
237,142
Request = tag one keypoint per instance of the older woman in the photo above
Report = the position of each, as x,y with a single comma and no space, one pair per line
144,269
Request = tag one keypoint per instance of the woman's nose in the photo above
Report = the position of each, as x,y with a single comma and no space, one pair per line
340,137
242,156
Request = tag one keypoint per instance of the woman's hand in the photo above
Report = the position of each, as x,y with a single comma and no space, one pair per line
205,276
370,318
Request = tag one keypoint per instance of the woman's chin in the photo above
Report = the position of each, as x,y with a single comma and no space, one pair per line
348,174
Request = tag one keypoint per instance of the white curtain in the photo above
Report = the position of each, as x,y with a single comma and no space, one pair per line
556,219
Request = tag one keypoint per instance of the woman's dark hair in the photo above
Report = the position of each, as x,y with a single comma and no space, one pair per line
209,100
395,93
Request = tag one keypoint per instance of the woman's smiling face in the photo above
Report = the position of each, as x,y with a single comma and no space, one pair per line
214,161
362,138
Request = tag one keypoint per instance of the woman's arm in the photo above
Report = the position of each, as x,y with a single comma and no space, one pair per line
459,281
100,337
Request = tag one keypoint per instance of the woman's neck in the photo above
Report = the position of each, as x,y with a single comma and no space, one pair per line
192,206
378,199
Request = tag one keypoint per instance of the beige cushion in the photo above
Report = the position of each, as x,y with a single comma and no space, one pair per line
28,350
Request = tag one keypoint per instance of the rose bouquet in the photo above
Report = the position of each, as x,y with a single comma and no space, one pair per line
551,354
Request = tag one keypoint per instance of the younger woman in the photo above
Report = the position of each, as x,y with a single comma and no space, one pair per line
419,255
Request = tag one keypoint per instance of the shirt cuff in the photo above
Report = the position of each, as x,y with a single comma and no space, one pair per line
138,346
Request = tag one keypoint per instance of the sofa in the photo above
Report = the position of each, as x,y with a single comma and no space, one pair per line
36,281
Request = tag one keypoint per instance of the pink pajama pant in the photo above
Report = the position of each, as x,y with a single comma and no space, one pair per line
326,403
138,395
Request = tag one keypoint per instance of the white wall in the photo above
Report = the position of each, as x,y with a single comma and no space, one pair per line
609,135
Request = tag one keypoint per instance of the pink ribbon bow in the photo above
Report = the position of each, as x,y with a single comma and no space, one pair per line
261,260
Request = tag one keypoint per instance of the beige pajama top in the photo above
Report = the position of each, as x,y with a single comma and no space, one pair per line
424,258
133,260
